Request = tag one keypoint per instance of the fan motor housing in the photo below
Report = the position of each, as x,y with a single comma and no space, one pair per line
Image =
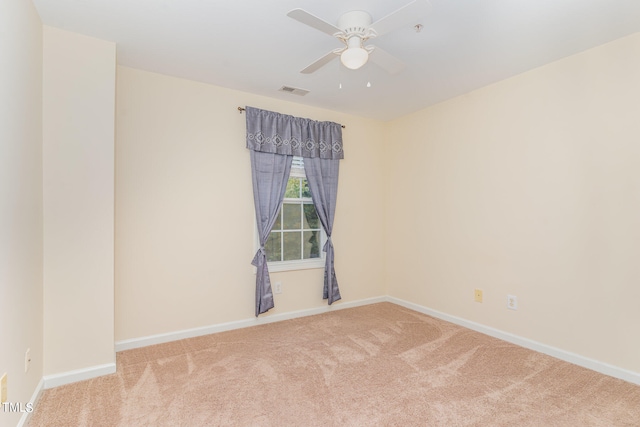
356,21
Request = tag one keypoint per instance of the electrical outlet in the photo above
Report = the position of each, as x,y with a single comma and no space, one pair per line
3,388
478,295
512,302
27,360
277,287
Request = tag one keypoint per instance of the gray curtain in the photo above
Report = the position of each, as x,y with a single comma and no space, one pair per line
274,139
270,173
322,176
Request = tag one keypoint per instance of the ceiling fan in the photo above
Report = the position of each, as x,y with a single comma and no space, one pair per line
356,27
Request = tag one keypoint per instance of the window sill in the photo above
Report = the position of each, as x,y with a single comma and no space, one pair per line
295,265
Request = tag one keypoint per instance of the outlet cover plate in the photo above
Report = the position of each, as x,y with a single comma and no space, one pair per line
512,302
27,360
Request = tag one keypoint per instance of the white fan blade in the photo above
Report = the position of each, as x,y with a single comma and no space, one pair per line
320,63
406,15
313,21
387,61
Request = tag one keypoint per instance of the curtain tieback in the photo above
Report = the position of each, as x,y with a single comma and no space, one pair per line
260,258
327,244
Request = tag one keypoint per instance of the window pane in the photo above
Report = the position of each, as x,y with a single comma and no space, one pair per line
278,223
273,247
310,217
292,216
305,189
297,162
312,244
292,246
293,189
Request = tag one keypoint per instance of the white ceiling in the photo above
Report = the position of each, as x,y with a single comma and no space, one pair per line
251,45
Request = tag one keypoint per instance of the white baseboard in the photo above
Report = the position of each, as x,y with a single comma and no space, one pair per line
63,378
228,326
576,359
34,401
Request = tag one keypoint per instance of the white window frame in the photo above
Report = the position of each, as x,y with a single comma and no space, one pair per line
297,171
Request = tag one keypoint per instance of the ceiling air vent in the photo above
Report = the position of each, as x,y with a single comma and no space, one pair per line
294,90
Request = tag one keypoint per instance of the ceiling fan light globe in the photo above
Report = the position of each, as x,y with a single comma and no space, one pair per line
354,57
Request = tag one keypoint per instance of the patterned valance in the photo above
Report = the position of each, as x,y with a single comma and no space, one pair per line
270,132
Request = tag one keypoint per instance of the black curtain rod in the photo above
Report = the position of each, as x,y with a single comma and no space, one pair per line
240,110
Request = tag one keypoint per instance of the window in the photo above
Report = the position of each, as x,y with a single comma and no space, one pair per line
297,237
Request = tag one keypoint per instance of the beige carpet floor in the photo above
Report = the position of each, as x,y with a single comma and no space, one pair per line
377,365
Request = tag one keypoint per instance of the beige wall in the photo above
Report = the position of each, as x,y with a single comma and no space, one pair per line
20,199
184,208
528,187
78,171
